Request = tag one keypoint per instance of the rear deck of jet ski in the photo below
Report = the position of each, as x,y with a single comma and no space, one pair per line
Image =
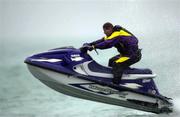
94,66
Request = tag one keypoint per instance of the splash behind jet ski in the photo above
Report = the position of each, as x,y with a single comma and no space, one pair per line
73,72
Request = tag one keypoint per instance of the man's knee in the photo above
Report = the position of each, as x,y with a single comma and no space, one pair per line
112,60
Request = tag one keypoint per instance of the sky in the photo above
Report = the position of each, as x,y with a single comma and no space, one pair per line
84,18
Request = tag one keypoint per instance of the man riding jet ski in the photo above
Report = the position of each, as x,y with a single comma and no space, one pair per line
73,72
126,44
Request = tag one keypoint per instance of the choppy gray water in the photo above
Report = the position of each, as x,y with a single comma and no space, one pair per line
156,24
22,95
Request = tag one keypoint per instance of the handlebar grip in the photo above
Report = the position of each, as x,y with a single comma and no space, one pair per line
84,49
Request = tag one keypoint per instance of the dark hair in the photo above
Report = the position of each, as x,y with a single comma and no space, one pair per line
107,25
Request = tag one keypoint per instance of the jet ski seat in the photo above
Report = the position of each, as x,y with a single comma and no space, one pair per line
137,71
95,67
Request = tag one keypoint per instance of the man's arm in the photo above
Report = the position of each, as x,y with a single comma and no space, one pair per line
96,42
106,44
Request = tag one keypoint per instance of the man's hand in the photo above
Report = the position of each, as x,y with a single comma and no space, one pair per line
86,47
90,48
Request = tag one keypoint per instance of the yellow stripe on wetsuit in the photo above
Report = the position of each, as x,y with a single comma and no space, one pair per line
117,33
122,59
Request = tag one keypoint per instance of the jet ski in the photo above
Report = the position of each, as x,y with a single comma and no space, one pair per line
73,72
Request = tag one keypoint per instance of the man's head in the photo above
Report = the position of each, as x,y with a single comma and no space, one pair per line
108,28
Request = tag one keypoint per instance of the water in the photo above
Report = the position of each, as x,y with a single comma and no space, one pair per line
24,96
21,95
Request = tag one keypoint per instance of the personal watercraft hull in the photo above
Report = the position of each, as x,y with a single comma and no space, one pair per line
85,89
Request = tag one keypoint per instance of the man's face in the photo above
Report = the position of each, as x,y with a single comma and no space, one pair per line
108,31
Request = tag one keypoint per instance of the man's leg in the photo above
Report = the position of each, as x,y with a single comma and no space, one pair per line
118,67
117,70
121,63
111,60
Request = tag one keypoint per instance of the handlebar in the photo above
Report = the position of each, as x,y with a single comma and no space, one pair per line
85,48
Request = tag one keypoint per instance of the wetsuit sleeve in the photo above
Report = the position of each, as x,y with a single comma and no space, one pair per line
96,42
106,44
